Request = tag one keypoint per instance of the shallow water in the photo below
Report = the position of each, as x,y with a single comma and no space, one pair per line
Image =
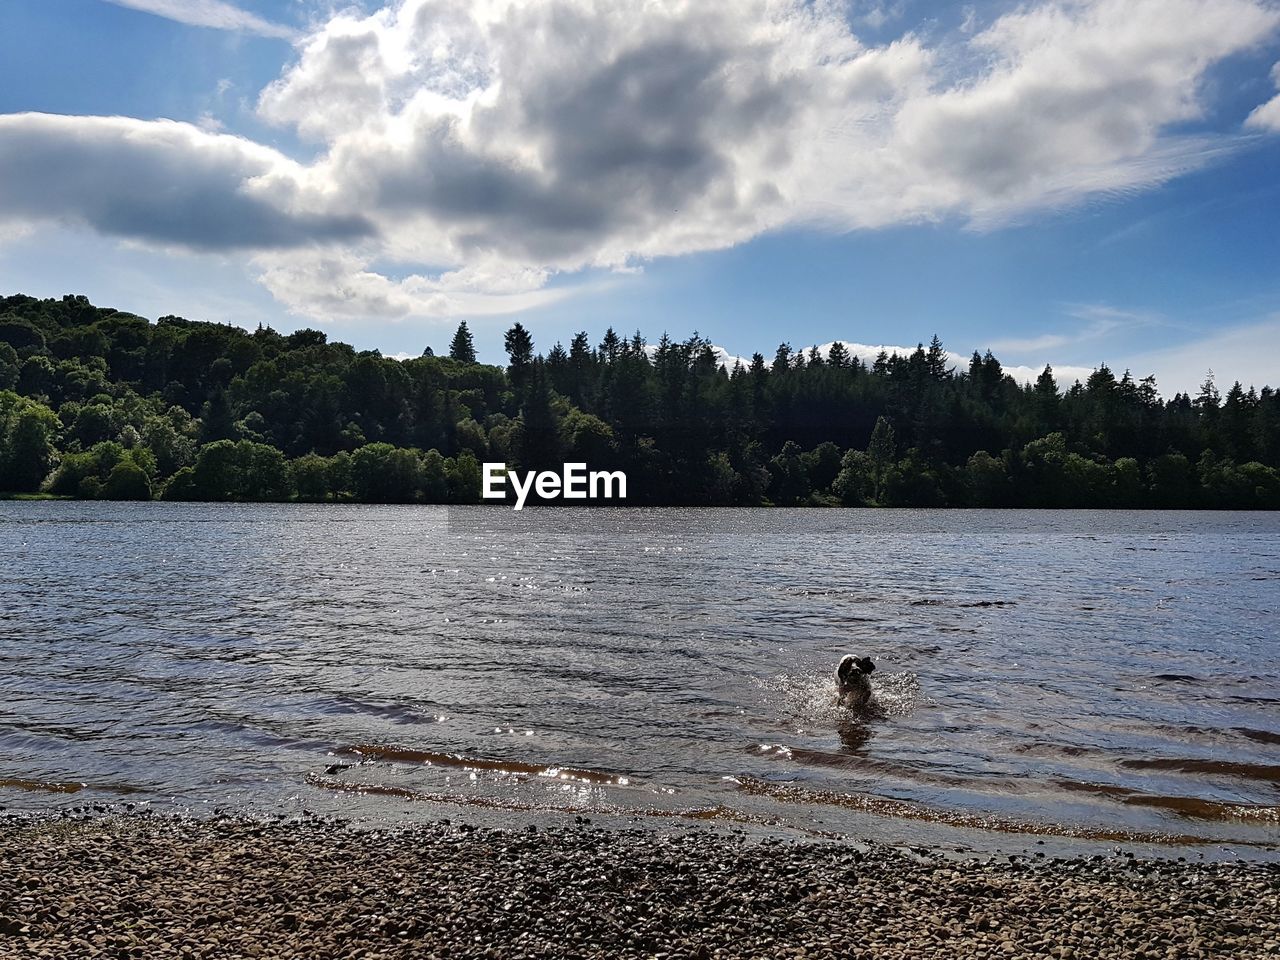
1081,674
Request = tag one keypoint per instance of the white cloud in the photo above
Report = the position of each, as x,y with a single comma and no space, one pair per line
210,13
491,145
337,285
1248,352
1065,374
562,134
1267,116
162,182
1099,320
877,14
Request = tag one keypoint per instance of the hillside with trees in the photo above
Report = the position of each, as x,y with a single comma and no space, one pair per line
100,404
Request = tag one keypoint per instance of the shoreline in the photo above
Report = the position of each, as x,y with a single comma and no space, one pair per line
148,885
600,504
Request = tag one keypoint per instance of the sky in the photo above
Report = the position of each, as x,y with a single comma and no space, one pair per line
1074,182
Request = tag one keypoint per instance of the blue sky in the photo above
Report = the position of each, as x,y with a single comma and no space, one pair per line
1073,183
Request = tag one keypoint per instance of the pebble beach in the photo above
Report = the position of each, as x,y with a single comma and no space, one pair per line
148,886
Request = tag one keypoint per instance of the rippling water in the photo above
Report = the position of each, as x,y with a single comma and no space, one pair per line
1063,673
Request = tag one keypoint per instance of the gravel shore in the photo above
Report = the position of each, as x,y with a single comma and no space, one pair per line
155,887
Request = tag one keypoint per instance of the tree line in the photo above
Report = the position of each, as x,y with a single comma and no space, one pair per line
100,404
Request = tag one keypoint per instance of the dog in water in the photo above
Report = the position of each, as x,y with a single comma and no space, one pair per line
853,682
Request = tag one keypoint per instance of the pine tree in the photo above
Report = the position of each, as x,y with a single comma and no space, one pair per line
610,345
462,348
1207,401
782,359
937,359
519,346
1046,394
539,439
582,370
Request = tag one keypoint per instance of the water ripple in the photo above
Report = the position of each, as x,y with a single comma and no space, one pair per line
1109,674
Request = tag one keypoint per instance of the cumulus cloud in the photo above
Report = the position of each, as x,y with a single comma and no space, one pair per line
1267,116
340,286
562,134
493,144
209,13
157,181
1074,102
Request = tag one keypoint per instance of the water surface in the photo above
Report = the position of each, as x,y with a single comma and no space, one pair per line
1092,674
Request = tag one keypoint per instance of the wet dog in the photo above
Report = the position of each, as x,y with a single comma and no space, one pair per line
853,682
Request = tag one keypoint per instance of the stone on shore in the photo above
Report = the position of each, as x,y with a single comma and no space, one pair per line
154,887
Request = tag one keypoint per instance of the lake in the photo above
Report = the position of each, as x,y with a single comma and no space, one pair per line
1064,674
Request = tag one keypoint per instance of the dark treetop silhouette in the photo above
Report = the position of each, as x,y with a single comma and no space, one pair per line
97,403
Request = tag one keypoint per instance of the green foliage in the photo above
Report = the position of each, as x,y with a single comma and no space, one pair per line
310,476
95,403
36,377
127,481
462,348
789,484
435,478
854,485
586,438
822,465
181,486
170,441
381,473
881,455
236,470
10,366
94,423
94,464
519,346
27,451
462,475
24,336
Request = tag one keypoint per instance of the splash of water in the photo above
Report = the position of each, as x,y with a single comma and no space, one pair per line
807,699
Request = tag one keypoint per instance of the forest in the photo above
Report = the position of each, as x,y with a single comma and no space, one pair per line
96,403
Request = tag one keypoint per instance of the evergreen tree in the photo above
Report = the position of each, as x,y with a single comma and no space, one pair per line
782,359
1208,400
539,438
519,346
1047,400
936,359
610,345
462,347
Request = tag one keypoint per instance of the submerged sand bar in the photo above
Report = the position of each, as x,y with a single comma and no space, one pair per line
154,887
